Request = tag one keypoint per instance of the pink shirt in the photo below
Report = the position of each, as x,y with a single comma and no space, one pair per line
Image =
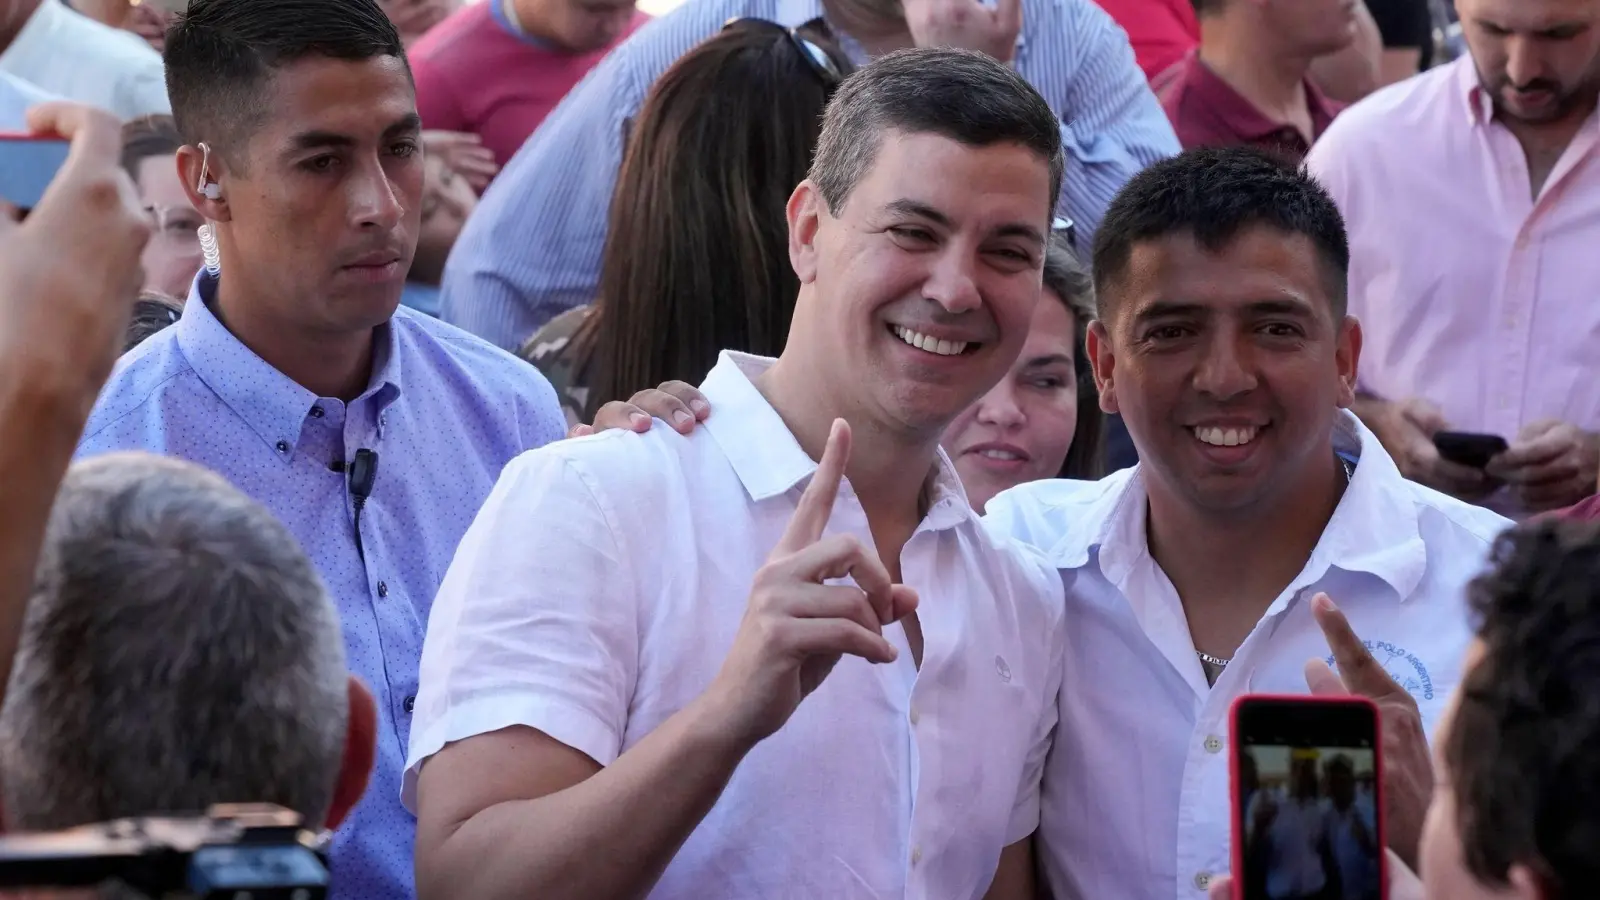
475,74
1471,294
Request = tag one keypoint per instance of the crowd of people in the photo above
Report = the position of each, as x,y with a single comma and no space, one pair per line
808,448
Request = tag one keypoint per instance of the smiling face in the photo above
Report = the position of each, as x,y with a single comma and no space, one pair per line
1022,429
918,294
1228,367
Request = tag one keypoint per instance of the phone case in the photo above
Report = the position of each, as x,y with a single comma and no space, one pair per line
1237,852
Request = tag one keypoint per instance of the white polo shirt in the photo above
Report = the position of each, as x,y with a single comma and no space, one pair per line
66,53
1136,788
599,591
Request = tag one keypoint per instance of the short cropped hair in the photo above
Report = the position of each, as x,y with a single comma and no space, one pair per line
958,94
1215,194
221,54
1524,747
178,651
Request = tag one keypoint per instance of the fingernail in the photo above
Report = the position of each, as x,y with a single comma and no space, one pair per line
639,421
681,417
699,406
1323,601
893,653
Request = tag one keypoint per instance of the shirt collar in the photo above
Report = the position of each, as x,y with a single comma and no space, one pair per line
768,459
1374,529
270,402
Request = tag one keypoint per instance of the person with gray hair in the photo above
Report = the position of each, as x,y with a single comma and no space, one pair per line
643,674
178,651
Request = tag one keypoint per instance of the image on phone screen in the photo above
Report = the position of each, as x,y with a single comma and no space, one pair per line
1309,821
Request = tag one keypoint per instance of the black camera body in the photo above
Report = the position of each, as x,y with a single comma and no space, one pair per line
233,851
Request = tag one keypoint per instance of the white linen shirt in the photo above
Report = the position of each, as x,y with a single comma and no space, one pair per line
1136,794
66,53
600,589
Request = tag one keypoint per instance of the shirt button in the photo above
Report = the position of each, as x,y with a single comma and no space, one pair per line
383,589
411,703
283,446
916,855
316,412
1213,744
1202,880
915,717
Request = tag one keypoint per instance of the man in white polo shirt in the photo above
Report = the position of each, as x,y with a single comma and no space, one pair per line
1198,575
644,674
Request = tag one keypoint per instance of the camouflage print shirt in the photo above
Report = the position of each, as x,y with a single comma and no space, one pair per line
550,349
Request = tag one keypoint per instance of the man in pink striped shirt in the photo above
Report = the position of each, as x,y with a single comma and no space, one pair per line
1472,198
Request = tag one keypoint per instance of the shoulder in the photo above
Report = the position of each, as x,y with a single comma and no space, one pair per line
139,388
1057,517
1386,118
634,478
446,41
475,373
1459,537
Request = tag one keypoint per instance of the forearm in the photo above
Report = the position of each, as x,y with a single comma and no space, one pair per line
608,837
40,423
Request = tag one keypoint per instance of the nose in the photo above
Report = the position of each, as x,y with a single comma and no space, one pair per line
374,205
1225,371
999,408
1523,64
951,283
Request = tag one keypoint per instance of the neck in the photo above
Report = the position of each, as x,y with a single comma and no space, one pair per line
1274,83
1235,565
10,27
1543,138
873,25
328,364
527,17
887,470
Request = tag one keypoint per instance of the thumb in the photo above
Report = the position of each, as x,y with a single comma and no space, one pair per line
903,602
1323,681
1425,416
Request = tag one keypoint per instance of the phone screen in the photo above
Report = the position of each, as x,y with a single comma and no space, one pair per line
27,166
1307,802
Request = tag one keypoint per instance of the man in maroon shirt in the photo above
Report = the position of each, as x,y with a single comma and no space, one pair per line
1247,82
496,68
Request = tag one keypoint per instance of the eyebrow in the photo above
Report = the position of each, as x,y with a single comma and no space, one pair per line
1048,360
908,207
410,123
1164,309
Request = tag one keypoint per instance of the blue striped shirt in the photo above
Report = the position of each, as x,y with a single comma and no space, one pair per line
532,248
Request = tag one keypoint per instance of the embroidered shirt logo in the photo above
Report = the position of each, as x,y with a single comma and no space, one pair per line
1403,666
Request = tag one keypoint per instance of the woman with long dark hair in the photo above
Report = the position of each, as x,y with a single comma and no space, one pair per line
696,260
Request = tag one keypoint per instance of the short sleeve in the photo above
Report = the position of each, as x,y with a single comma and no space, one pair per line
535,623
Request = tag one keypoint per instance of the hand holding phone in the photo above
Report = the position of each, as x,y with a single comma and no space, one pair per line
1469,449
1307,776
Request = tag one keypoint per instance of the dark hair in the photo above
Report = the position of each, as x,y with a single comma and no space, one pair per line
221,53
1065,277
1524,747
958,94
145,137
1216,194
696,256
152,312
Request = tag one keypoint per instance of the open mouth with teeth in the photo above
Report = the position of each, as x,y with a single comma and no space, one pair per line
929,344
1225,437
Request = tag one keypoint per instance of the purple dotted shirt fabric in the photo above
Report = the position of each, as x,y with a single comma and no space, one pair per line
444,412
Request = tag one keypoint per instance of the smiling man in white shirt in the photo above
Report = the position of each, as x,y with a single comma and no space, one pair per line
643,674
1193,577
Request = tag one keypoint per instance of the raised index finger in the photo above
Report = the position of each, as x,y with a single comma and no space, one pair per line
816,504
1360,673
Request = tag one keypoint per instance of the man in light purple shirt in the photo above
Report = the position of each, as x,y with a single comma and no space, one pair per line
1472,198
374,433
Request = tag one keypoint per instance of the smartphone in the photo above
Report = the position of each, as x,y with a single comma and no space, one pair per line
27,166
1307,798
1467,449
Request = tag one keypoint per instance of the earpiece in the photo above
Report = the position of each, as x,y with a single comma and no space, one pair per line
207,188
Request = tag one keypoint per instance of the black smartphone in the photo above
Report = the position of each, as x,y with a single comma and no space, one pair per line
1467,449
1307,798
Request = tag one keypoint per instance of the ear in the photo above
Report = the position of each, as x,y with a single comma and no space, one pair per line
1347,354
1097,344
196,170
805,211
360,750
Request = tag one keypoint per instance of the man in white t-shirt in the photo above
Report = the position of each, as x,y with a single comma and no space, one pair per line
644,673
1197,575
